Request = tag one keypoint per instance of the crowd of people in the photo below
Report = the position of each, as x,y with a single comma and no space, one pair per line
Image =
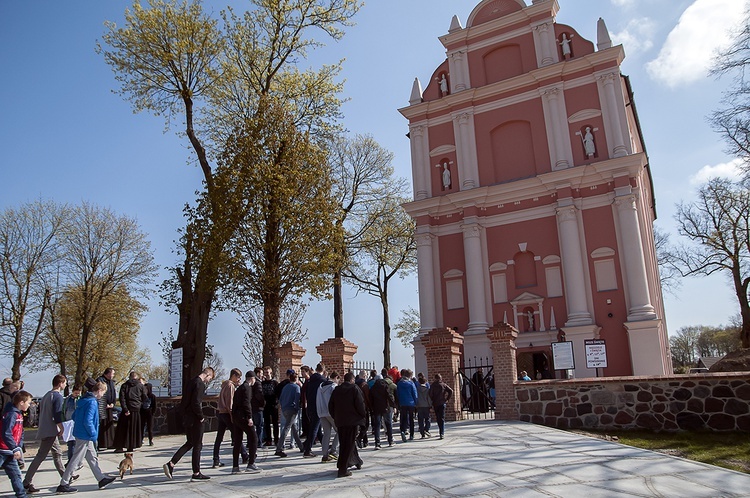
337,412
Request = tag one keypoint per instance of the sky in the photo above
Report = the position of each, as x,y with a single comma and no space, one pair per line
66,136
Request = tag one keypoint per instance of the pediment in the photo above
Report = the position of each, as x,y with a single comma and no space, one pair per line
527,298
584,115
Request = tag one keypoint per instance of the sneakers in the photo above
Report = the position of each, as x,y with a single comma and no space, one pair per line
377,446
280,454
104,482
309,454
327,459
245,459
422,436
30,488
73,477
252,468
65,488
199,477
441,437
217,464
236,470
168,468
427,433
403,437
390,444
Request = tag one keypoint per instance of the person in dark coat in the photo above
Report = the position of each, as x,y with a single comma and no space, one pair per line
148,408
106,410
381,400
347,406
6,394
259,404
271,410
242,418
129,433
192,420
311,393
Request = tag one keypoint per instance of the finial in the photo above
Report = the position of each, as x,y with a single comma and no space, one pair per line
602,35
416,93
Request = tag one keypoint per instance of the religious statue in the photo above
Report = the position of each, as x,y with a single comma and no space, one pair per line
443,85
565,44
530,317
446,176
588,143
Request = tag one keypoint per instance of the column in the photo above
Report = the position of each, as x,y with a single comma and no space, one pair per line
420,162
555,128
571,254
542,35
458,67
337,354
612,114
463,131
474,277
633,257
503,346
443,352
290,358
426,280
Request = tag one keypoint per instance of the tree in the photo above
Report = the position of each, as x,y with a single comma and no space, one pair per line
28,256
171,58
362,175
407,327
668,272
718,224
682,346
290,327
104,256
387,249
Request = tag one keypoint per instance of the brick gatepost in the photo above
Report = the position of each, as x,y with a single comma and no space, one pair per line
503,345
337,354
443,354
290,357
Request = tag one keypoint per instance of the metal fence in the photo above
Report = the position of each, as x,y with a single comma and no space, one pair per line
358,365
476,381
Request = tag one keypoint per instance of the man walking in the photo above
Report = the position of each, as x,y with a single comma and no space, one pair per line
271,409
192,420
50,427
289,403
311,394
381,401
259,403
242,416
407,402
224,415
440,393
347,406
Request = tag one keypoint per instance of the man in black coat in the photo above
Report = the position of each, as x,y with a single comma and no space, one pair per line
242,418
347,407
192,419
106,410
311,393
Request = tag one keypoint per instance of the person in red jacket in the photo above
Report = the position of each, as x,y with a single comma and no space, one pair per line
12,439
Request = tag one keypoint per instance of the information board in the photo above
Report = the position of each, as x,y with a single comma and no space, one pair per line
175,372
596,353
562,355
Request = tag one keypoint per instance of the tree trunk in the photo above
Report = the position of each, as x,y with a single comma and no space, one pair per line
192,334
386,329
338,307
741,288
271,331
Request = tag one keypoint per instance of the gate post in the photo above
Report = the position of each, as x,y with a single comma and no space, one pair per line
290,358
503,345
443,353
337,354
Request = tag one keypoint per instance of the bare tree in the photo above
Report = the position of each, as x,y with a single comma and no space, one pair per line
407,327
718,224
290,326
669,273
28,258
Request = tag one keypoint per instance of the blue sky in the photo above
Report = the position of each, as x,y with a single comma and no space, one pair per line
66,136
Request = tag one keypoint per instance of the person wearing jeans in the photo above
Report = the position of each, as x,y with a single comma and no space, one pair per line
440,393
407,400
224,408
289,402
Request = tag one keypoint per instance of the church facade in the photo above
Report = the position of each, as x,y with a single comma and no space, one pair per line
533,197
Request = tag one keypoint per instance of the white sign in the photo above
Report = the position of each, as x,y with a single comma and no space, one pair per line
596,353
562,355
175,372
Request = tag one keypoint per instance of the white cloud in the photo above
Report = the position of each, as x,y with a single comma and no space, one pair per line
636,37
623,3
730,170
688,52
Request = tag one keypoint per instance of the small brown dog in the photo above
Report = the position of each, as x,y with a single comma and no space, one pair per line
125,464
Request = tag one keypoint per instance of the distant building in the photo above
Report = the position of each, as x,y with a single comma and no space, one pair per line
532,194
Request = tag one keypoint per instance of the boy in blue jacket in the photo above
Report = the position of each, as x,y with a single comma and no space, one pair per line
12,440
407,401
86,432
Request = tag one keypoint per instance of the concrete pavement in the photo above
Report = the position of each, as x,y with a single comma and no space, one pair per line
477,458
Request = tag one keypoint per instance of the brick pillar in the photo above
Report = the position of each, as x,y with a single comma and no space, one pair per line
290,357
503,345
443,353
337,354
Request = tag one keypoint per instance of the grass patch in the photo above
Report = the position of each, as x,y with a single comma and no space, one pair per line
728,450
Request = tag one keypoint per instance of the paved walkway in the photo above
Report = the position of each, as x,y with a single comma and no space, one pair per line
480,458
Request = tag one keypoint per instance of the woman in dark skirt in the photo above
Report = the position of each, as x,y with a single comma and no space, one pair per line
147,413
129,434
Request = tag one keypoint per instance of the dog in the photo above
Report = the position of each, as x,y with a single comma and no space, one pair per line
125,464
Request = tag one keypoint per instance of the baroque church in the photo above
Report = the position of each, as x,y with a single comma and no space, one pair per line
533,195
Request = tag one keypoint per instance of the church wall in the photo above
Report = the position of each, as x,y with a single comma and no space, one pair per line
578,100
502,61
451,248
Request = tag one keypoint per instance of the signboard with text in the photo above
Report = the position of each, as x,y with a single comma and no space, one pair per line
562,355
175,372
596,353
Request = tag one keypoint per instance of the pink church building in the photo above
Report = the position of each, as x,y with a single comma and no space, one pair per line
533,196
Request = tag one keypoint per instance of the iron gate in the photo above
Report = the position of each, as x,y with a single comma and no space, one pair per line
476,381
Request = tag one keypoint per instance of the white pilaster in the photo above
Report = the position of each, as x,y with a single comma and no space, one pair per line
648,354
572,257
553,105
420,160
426,280
612,113
466,149
458,66
631,243
545,43
475,284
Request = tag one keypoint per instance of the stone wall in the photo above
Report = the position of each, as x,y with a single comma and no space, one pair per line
166,420
718,402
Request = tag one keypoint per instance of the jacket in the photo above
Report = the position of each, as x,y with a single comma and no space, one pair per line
69,406
407,392
269,392
132,394
224,405
311,392
242,406
362,384
423,396
259,401
290,398
50,414
12,435
347,406
381,397
440,393
5,398
192,411
86,418
323,397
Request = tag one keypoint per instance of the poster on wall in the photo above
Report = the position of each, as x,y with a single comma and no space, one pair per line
175,372
562,355
596,353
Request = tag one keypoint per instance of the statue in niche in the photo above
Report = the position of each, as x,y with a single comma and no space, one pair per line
530,318
565,44
588,143
446,176
443,85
